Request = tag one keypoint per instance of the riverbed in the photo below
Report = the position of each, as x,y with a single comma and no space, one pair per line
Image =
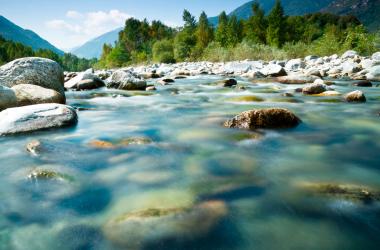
188,157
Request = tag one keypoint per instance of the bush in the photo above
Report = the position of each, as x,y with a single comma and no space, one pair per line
163,51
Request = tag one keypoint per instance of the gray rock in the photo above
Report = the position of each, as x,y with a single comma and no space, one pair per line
8,98
272,118
355,96
27,94
89,84
374,73
294,65
314,88
362,84
85,81
350,68
376,56
349,54
33,70
36,117
273,70
296,79
121,79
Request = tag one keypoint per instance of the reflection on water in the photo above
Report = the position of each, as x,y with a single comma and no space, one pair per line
64,195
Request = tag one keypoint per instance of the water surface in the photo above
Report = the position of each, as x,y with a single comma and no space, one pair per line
191,159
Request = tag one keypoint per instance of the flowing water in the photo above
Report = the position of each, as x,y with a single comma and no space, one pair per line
192,158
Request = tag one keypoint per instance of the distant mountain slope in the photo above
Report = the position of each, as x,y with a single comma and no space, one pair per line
368,11
93,48
291,7
11,31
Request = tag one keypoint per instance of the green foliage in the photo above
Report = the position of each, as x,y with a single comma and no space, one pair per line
274,36
205,33
10,51
256,25
163,51
276,20
221,34
234,31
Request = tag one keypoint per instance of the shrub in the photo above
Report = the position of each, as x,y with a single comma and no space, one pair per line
163,51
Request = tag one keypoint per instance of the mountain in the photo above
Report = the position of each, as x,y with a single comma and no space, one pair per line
367,11
11,31
291,7
93,48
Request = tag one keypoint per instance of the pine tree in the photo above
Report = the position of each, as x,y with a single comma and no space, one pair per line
234,31
205,32
276,20
189,20
257,25
221,34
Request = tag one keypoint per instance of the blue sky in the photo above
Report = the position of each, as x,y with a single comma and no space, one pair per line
70,23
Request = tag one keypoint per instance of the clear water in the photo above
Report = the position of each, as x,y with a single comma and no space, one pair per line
193,157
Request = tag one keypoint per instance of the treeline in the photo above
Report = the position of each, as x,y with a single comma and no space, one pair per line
275,34
10,51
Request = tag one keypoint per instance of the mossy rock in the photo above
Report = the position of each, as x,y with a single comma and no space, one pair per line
284,99
136,230
245,136
351,192
329,100
104,144
272,118
246,99
45,174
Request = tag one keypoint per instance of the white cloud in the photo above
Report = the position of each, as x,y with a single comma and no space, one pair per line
79,27
74,14
62,25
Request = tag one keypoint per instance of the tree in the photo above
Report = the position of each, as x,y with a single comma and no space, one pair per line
189,20
257,25
118,57
276,20
163,51
204,32
221,34
234,31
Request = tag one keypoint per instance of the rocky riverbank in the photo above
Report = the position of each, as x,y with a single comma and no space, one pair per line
31,81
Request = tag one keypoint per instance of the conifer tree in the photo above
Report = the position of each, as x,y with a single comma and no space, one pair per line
221,34
205,32
276,20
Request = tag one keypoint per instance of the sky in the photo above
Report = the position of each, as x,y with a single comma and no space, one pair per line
70,23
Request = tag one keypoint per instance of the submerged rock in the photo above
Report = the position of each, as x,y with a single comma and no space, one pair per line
148,227
362,84
313,89
355,96
246,99
121,143
166,81
46,174
33,70
228,82
296,79
264,118
36,117
342,191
